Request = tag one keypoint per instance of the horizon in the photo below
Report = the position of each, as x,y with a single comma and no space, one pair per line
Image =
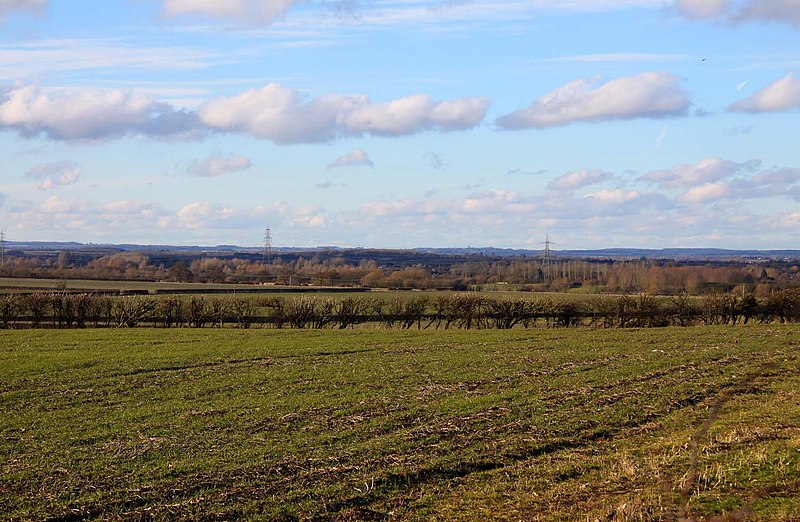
277,248
402,123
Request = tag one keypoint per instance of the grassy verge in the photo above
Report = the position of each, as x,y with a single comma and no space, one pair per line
656,424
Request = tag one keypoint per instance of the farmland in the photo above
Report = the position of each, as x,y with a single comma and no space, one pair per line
540,424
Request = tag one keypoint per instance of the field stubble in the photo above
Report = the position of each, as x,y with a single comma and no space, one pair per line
654,424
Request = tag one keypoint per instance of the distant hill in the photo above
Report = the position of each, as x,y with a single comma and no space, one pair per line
696,254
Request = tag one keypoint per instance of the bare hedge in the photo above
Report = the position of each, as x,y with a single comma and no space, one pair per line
445,311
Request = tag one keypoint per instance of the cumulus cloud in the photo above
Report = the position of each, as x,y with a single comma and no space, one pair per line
6,6
709,170
52,175
272,112
199,215
714,179
90,114
249,11
508,215
218,165
356,157
647,95
780,95
76,216
578,179
284,116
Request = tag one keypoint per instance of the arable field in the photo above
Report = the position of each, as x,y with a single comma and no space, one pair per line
23,284
546,424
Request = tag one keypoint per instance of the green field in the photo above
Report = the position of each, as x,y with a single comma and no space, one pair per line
651,424
16,284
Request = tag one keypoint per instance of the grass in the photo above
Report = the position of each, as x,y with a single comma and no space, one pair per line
656,424
16,284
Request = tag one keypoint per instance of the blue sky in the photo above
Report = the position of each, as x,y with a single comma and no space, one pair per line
402,123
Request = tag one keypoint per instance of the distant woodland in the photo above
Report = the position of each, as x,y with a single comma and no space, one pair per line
655,277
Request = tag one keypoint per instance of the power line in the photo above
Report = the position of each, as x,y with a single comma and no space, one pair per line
2,247
547,262
267,258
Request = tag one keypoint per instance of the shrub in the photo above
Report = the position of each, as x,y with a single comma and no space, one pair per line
130,311
10,307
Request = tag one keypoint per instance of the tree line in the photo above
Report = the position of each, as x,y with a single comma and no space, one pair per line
609,276
444,311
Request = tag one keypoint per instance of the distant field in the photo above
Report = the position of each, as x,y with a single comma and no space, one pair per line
14,284
653,424
11,283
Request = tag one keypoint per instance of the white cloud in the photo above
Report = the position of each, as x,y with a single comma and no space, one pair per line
705,171
6,6
702,9
460,114
706,192
647,95
272,112
279,114
578,179
714,179
780,95
197,214
218,165
52,175
353,158
90,114
402,116
200,215
248,11
75,218
284,116
613,196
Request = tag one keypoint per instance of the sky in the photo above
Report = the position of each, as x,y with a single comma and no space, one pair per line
402,123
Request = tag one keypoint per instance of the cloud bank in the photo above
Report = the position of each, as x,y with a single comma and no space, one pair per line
713,180
273,112
714,189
